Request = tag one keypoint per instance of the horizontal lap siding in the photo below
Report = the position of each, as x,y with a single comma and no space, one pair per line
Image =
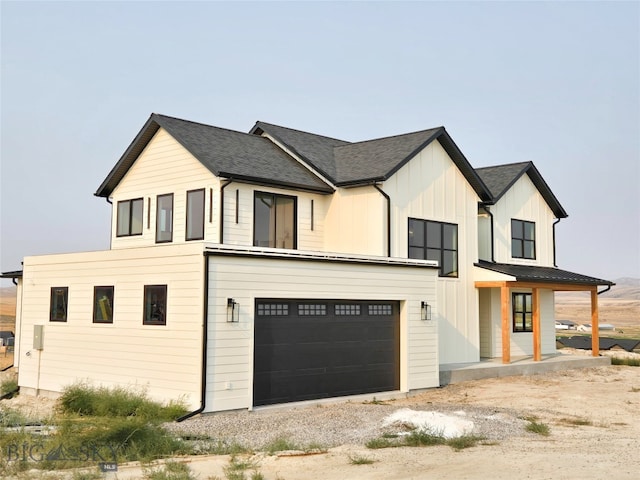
163,359
230,350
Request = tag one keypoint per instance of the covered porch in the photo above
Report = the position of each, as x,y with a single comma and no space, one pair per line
509,278
527,365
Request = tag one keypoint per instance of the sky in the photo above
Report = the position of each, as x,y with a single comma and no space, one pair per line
557,83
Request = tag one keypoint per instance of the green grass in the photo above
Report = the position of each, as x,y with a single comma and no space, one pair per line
8,386
171,470
82,399
281,444
237,468
630,362
424,438
360,460
537,427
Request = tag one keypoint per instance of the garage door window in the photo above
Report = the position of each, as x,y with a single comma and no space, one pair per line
312,309
347,309
273,309
380,310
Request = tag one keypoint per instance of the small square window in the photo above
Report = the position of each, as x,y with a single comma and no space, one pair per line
58,304
103,304
155,305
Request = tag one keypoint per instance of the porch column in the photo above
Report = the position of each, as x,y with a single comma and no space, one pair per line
535,300
506,327
595,327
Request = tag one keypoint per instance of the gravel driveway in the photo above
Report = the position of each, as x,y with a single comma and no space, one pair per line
331,425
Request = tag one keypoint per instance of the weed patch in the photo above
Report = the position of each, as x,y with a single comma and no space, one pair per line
536,427
630,362
360,460
171,470
578,421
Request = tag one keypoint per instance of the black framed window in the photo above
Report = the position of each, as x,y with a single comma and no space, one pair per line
155,305
164,218
274,220
129,221
195,215
435,241
523,239
58,304
522,311
103,304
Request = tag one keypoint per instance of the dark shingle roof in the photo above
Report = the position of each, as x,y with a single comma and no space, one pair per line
533,273
316,150
360,163
501,178
226,153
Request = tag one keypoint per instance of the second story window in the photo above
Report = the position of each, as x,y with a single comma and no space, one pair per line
164,218
435,241
274,220
129,220
523,239
195,215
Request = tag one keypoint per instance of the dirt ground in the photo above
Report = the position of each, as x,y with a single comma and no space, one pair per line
593,415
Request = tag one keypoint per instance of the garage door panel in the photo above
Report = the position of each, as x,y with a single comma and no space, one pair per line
344,351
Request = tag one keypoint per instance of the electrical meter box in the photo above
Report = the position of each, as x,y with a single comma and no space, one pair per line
38,336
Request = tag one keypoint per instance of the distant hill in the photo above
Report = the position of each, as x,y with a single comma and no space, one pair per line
624,288
7,301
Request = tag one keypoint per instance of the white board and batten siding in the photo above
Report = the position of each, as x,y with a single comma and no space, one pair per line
523,202
230,345
431,187
521,343
164,167
164,360
239,216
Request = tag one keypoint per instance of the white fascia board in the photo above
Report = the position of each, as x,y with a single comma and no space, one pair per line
214,248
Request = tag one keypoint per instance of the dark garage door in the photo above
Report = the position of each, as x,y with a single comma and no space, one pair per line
311,349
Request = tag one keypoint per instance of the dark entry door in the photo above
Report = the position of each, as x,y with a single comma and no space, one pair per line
312,349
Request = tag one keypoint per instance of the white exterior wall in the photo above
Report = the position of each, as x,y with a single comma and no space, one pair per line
357,222
521,342
241,233
165,360
164,167
230,345
523,202
431,187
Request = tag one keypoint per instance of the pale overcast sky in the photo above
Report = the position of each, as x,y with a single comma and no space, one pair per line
556,83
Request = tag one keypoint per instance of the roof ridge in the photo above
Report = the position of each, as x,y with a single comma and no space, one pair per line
200,123
527,162
392,136
301,131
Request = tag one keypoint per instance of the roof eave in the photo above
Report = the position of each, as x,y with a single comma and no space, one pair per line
276,184
132,152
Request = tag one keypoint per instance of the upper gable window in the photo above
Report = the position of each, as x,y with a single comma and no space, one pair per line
195,215
523,239
435,241
164,218
274,220
130,217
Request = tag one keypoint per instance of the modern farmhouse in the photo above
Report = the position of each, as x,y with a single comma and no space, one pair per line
275,266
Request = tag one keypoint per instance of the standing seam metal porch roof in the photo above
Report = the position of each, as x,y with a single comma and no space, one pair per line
534,273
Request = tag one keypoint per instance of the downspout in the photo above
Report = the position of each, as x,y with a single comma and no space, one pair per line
224,185
554,241
388,218
205,333
111,228
605,290
486,209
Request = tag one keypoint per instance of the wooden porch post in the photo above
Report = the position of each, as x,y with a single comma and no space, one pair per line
506,327
595,327
535,300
